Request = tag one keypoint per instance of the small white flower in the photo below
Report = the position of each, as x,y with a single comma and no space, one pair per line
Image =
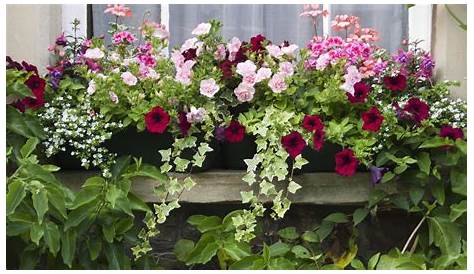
94,53
91,88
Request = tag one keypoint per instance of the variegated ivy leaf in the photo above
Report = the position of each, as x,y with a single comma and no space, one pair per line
249,178
293,187
189,141
261,144
160,191
174,186
165,167
165,154
252,163
204,148
280,206
237,220
198,159
262,131
181,164
267,188
188,183
247,196
300,162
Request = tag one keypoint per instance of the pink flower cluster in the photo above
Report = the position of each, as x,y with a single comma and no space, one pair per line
313,10
344,22
183,68
123,37
154,29
118,10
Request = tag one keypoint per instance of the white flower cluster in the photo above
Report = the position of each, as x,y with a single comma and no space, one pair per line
79,129
449,111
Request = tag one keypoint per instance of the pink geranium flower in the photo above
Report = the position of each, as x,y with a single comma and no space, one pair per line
118,10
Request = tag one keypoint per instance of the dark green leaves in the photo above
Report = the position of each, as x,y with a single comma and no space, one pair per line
205,223
51,236
446,235
289,233
16,193
458,182
68,246
424,162
359,215
40,203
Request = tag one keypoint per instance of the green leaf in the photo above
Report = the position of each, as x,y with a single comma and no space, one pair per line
182,249
337,218
40,203
76,216
68,246
137,203
446,235
116,257
36,233
94,246
29,147
424,162
19,89
359,215
437,189
23,124
357,264
120,166
461,145
416,194
289,233
293,187
301,252
51,236
205,223
280,263
310,236
204,250
113,194
278,249
249,263
108,231
458,182
388,176
237,250
373,261
247,196
152,172
16,193
457,210
85,196
266,253
324,230
375,196
400,169
435,142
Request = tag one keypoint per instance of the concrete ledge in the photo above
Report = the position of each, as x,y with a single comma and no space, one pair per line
325,188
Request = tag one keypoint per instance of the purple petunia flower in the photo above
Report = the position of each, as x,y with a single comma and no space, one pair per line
377,173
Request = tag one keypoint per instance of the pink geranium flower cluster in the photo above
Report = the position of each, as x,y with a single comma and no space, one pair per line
118,10
123,37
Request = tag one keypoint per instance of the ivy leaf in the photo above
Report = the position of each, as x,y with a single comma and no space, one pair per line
293,187
424,162
267,188
188,183
359,215
165,154
16,194
300,162
247,196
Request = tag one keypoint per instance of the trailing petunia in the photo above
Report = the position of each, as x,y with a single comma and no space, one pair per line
312,123
451,132
157,120
372,119
346,162
293,143
235,132
361,91
396,83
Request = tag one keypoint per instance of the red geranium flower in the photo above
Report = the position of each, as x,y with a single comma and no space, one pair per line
318,139
312,123
183,123
372,120
157,120
418,109
396,83
235,132
293,143
451,132
361,90
256,43
346,162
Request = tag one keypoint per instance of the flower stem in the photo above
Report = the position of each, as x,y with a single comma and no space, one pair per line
413,233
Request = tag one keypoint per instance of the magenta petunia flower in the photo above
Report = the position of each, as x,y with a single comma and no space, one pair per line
372,120
417,109
235,132
361,91
451,132
346,162
396,83
157,120
293,143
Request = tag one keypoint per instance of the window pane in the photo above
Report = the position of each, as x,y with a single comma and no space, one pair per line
100,21
276,22
391,21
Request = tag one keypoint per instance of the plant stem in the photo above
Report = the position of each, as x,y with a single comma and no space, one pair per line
413,233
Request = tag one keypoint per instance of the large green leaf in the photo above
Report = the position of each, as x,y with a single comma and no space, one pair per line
23,124
249,263
280,263
424,162
459,182
94,245
36,233
29,147
205,223
51,236
288,233
68,246
85,196
359,215
236,250
40,203
79,214
337,217
204,250
446,235
137,203
120,166
116,257
301,252
457,210
16,193
279,249
152,172
182,249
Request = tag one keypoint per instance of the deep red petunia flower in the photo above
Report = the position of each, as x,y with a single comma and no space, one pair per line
293,143
318,139
183,123
256,43
189,54
157,120
226,68
240,54
451,132
36,84
396,83
346,162
312,123
372,119
30,68
235,132
417,109
361,91
11,64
